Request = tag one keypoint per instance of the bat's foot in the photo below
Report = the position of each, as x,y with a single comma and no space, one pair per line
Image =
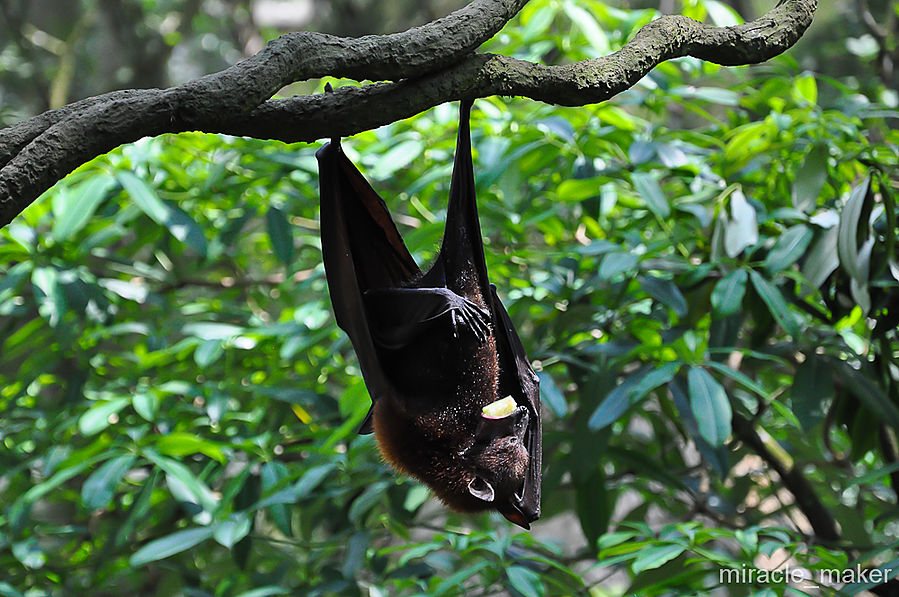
469,316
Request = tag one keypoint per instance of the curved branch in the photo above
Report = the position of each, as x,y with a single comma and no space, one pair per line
40,151
301,56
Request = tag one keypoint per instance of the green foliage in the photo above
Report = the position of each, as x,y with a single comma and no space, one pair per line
705,266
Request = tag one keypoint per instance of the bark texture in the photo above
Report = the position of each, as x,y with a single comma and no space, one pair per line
423,66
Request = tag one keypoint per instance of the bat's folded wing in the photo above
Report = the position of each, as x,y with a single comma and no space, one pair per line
361,250
517,378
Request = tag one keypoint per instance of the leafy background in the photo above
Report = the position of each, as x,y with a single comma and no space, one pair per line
703,271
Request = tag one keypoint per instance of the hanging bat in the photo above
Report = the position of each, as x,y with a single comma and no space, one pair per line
437,350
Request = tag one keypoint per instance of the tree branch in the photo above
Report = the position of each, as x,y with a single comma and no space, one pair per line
434,62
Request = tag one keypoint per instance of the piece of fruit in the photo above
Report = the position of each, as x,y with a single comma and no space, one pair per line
500,408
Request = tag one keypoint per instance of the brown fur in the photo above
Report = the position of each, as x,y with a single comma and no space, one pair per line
427,445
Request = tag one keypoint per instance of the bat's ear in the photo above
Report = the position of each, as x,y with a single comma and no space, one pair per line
481,489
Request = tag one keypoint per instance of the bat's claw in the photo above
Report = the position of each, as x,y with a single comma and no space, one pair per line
476,319
467,315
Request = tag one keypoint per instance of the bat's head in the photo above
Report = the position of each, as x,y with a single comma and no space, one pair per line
493,469
500,465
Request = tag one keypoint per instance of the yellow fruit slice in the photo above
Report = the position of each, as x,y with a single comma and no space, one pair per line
500,408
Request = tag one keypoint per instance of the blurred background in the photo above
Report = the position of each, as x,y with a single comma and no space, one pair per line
703,271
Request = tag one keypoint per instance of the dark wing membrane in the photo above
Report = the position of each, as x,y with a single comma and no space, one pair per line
361,250
461,257
517,378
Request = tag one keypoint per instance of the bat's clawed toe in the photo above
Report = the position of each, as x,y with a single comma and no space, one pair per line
465,314
477,319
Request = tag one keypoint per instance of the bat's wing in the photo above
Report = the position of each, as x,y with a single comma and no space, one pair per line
517,379
362,250
461,265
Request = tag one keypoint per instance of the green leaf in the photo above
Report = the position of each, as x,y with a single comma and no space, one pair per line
10,280
211,330
888,571
99,488
176,221
666,292
709,405
228,532
184,228
266,592
180,443
271,475
575,190
7,590
366,500
137,512
525,581
868,393
714,95
873,476
850,216
415,497
49,294
592,505
29,553
170,545
747,139
280,234
854,259
307,483
823,258
641,152
597,247
776,304
354,557
97,417
618,118
727,296
721,14
740,378
805,88
551,395
651,558
199,492
146,405
41,489
652,380
396,158
742,229
457,580
132,292
789,248
144,196
82,204
810,179
208,352
648,188
615,263
584,21
629,392
536,20
812,388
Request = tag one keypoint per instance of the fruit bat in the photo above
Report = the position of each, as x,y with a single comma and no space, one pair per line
437,350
